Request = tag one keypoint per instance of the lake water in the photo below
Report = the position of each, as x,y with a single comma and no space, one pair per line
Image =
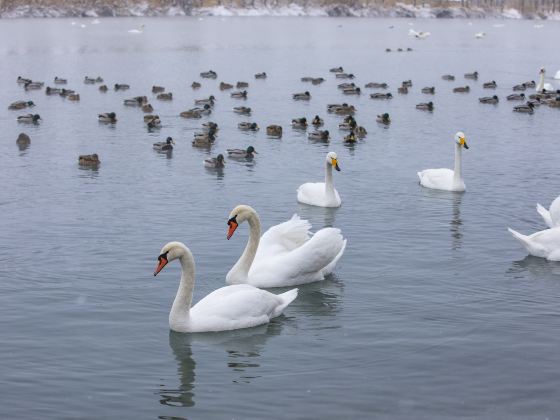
434,311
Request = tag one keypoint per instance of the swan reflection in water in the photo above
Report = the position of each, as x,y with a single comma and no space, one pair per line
538,267
456,222
315,213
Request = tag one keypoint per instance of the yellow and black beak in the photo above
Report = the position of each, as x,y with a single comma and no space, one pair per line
162,262
232,223
334,163
463,143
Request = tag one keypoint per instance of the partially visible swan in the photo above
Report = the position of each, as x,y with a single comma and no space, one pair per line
446,179
321,194
419,35
286,255
551,216
544,244
227,308
480,35
542,85
557,75
140,30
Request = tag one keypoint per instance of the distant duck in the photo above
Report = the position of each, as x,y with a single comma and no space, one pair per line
59,81
348,125
425,106
317,121
108,117
360,131
165,96
489,100
241,85
381,96
516,97
239,94
210,74
319,135
164,146
350,138
387,49
153,123
462,89
536,101
542,86
300,123
344,110
306,79
409,49
399,50
429,90
225,86
73,97
52,91
203,140
473,75
158,89
21,105
375,85
191,113
248,153
121,86
23,141
207,101
195,85
407,83
522,86
554,103
317,80
66,92
99,79
210,126
136,101
448,77
248,126
274,131
403,90
528,108
305,96
242,110
29,119
352,91
147,108
260,75
89,80
344,76
103,88
346,85
89,160
33,85
337,70
23,80
215,162
490,85
147,118
384,119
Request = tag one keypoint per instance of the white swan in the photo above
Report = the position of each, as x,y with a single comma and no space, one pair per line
544,244
419,35
542,85
557,75
140,30
446,179
552,216
286,254
480,35
322,194
227,308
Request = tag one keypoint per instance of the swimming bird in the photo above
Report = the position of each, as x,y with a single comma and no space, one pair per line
429,90
286,254
346,85
248,153
203,139
164,146
260,75
381,96
207,101
384,119
147,108
168,96
191,113
319,135
473,75
305,96
490,85
23,141
337,70
403,90
543,244
108,117
225,86
103,88
73,97
121,86
153,123
344,76
52,91
317,121
360,131
59,81
418,35
89,160
136,101
33,85
158,89
242,110
425,106
528,108
29,118
542,86
21,105
522,86
248,126
274,131
462,89
552,216
448,77
239,94
446,179
210,74
215,162
350,138
241,85
489,100
299,123
195,85
352,91
516,97
23,80
317,80
89,80
227,308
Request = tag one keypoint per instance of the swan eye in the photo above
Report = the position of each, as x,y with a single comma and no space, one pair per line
232,220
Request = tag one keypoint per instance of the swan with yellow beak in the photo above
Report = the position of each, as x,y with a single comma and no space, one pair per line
322,194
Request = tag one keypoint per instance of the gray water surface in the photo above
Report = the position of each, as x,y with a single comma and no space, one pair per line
433,312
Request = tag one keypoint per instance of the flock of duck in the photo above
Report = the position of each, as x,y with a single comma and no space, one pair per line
288,254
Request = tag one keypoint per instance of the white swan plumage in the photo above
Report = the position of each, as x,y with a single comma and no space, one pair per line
557,75
227,308
543,244
140,30
286,254
542,85
322,194
551,216
447,179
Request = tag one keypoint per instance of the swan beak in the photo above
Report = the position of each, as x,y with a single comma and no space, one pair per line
162,262
232,226
335,164
463,143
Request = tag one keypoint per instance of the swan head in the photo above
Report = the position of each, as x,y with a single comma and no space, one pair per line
332,159
461,140
542,70
237,216
168,253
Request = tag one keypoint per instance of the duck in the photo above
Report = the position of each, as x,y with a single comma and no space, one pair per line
164,146
23,141
33,85
516,97
306,79
473,75
108,117
348,125
554,103
461,89
209,126
103,88
536,101
346,85
21,105
239,94
23,80
387,49
344,76
52,91
153,123
59,81
207,101
242,110
343,109
165,96
448,77
89,80
158,89
147,108
317,121
305,96
274,131
248,126
241,85
121,86
520,87
210,74
286,254
66,92
528,108
381,96
360,131
384,119
300,123
542,86
530,84
543,244
215,162
29,118
248,153
191,113
261,75
352,91
89,160
195,85
407,83
225,86
490,85
227,308
136,101
98,79
429,90
317,80
376,85
336,70
350,138
489,100
203,140
425,106
399,50
447,179
403,90
147,118
73,97
319,135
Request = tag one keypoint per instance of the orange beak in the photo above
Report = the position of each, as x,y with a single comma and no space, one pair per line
232,226
162,262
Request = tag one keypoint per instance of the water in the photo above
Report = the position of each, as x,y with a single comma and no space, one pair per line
434,311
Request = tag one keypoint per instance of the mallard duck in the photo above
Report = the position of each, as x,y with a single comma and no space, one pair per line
348,125
239,94
317,121
345,110
425,106
489,100
360,131
409,49
195,85
407,83
403,90
23,80
448,77
210,74
337,70
248,126
306,79
522,86
375,85
99,79
349,119
536,101
33,85
103,88
429,90
399,50
147,108
153,123
147,118
319,135
305,96
387,49
207,101
66,92
89,160
108,117
205,110
473,75
384,119
248,153
381,96
121,86
528,108
137,101
21,104
344,76
59,81
23,141
73,97
490,85
300,123
191,113
554,103
165,96
164,146
225,86
531,84
317,80
350,138
158,89
516,97
346,85
89,80
352,91
215,162
274,131
260,75
242,110
29,118
52,91
241,85
210,126
461,89
203,140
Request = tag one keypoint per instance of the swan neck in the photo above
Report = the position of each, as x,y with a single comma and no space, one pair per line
183,299
329,186
240,271
541,83
457,176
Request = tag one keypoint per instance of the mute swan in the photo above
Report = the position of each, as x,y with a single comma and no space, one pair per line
286,254
227,308
446,179
552,215
542,85
544,244
321,194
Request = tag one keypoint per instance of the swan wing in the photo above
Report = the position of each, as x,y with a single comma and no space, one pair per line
545,214
540,244
554,212
440,179
314,194
283,238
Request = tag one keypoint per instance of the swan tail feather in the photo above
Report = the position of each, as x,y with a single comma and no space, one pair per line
287,298
545,214
528,244
330,268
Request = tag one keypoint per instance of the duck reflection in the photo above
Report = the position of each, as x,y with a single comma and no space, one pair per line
456,222
312,213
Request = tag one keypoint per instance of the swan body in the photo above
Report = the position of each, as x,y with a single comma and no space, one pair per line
544,244
542,85
552,216
225,309
557,75
446,179
286,254
140,30
321,194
